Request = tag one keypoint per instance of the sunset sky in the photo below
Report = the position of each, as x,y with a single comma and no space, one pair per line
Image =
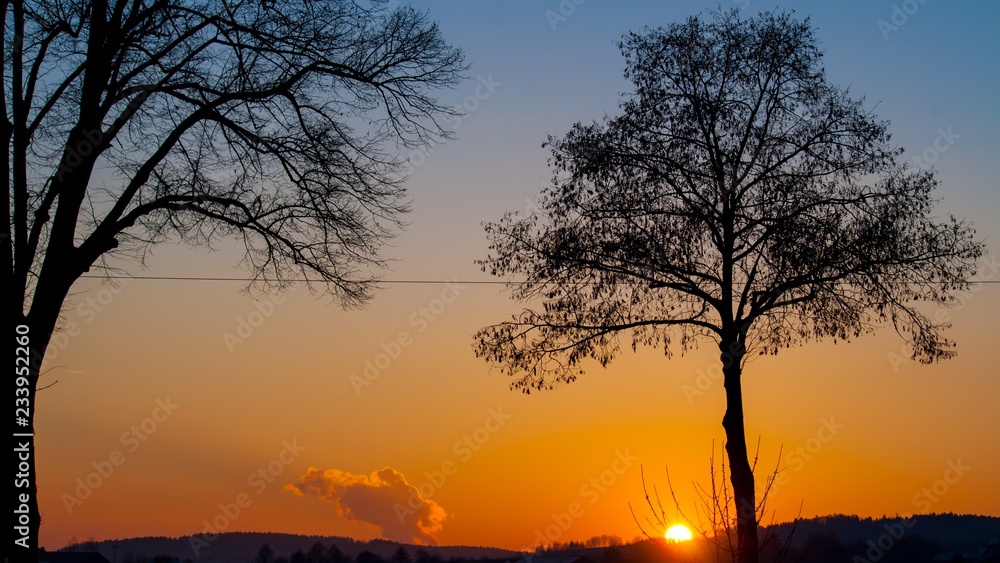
167,388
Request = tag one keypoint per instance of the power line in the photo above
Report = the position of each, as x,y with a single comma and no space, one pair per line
389,281
283,280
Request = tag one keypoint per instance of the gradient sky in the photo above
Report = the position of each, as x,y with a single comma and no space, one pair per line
497,467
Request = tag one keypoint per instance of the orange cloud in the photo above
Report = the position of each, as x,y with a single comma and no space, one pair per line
383,499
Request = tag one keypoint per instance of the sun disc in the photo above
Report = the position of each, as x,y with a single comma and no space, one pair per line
678,533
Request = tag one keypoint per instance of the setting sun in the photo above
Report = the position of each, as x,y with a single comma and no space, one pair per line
678,533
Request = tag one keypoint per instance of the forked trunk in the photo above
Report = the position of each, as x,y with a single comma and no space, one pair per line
740,472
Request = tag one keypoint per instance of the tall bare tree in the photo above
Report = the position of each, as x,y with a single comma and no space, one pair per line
130,122
739,197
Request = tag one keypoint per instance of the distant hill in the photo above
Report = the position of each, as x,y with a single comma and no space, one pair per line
241,547
951,531
833,539
830,539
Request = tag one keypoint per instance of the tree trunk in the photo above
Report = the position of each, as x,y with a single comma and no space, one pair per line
28,348
32,333
740,472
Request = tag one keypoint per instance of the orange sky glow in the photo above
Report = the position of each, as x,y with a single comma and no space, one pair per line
180,405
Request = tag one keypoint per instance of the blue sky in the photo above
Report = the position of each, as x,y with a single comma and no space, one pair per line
557,63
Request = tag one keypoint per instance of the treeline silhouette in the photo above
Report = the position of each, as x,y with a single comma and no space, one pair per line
594,542
142,558
831,539
951,531
818,547
836,538
241,547
318,553
890,539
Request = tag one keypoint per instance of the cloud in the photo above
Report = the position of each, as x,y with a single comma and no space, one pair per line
383,499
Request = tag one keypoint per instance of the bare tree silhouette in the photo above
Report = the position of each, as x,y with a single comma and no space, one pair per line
130,122
739,197
713,518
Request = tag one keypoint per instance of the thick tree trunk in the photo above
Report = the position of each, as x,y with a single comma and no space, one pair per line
30,338
740,472
26,353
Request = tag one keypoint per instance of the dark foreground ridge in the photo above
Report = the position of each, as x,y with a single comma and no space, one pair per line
829,539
